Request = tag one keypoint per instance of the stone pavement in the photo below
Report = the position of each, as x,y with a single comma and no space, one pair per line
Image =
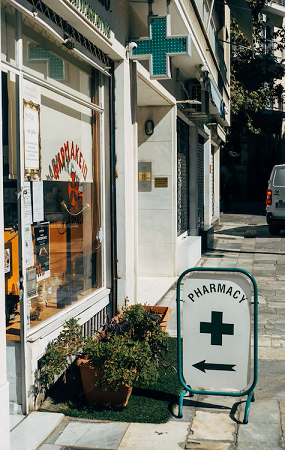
214,423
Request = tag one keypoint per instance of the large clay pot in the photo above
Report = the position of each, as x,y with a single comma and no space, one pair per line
165,311
100,395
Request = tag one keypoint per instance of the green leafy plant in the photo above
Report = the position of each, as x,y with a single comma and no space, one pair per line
60,353
130,347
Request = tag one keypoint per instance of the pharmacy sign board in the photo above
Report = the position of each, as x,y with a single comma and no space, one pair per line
217,332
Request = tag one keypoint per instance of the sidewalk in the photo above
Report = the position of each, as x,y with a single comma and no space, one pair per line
208,423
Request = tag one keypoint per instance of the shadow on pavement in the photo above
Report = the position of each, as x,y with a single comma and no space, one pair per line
252,231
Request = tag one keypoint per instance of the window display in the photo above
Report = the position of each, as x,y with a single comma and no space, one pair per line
67,243
61,232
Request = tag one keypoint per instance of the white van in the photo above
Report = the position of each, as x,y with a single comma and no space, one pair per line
275,201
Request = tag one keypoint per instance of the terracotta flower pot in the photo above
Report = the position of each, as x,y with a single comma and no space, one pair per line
100,395
163,311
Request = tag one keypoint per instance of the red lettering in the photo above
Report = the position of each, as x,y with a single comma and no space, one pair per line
76,153
62,156
59,162
84,170
80,156
72,151
66,150
55,171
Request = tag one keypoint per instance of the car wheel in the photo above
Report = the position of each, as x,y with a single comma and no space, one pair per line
274,230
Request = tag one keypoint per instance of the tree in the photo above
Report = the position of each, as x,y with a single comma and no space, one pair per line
254,78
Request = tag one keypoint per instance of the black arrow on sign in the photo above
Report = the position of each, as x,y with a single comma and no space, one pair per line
203,366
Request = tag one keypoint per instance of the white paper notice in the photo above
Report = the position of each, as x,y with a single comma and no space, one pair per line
28,203
31,128
31,92
29,249
38,201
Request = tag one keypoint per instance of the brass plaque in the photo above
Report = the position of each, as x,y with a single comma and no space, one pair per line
161,182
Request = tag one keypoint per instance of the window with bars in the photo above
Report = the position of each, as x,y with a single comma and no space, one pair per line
183,203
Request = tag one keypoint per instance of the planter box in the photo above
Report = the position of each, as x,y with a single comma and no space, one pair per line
163,311
99,395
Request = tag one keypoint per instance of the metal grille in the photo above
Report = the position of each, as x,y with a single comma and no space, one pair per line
95,323
213,181
196,94
38,5
182,177
200,182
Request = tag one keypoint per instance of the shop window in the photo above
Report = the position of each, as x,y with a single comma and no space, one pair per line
11,236
68,241
52,62
8,22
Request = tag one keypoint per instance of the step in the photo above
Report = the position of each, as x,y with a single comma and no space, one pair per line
34,429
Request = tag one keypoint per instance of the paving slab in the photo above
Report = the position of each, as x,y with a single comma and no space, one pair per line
104,435
213,427
50,447
165,436
264,412
255,433
33,430
209,446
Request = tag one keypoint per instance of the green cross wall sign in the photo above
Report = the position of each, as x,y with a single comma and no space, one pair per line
160,46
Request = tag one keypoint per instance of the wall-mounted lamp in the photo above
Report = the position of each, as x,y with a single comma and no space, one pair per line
149,127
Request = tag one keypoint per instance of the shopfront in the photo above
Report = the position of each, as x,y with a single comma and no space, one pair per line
56,188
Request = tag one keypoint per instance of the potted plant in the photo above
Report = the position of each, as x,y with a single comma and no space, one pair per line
162,312
130,347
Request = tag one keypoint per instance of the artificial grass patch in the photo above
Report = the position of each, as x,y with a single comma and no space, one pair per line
149,403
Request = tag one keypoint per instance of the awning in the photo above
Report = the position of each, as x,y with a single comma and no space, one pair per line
242,14
217,100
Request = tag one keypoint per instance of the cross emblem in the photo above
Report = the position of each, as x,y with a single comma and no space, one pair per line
73,190
160,46
216,328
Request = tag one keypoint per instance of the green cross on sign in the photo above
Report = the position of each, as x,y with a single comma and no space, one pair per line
160,46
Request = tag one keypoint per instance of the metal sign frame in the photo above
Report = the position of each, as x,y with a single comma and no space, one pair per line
249,391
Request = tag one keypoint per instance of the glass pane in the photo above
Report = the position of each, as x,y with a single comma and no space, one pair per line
51,61
8,41
68,243
279,179
11,259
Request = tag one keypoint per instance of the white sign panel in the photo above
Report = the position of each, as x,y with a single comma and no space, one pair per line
38,201
31,135
216,332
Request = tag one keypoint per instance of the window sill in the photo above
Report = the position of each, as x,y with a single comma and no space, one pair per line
57,321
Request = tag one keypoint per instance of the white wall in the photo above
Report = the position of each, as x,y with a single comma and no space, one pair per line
157,209
126,187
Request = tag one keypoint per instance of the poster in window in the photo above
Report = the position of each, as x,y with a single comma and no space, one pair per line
32,141
42,249
8,259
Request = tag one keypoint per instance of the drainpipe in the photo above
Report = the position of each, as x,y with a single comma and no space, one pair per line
114,275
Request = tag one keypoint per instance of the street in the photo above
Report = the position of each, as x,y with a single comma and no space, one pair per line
243,241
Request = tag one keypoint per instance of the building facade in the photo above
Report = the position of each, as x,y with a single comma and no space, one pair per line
110,155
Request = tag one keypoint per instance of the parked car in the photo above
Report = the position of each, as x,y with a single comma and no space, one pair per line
275,200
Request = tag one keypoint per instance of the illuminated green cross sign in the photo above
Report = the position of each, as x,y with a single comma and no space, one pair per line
160,46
